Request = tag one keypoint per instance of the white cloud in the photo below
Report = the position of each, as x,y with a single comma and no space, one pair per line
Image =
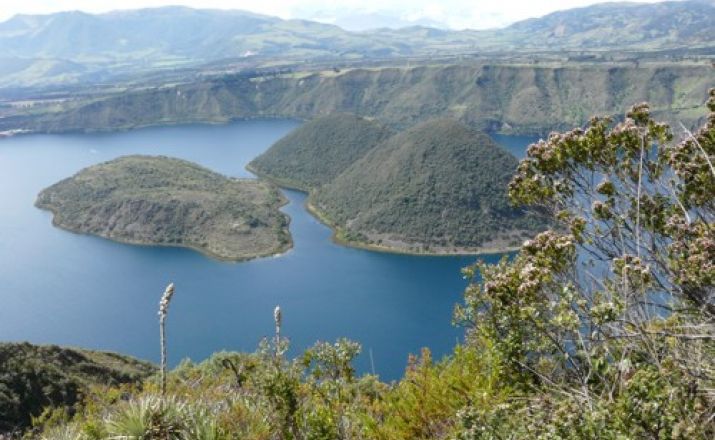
458,14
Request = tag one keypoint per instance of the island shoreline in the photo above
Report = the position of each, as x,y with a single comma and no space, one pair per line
197,249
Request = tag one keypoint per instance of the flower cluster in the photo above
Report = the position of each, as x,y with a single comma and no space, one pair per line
551,249
165,300
531,277
692,252
632,270
601,211
692,161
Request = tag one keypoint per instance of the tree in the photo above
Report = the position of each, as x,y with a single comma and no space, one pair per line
612,311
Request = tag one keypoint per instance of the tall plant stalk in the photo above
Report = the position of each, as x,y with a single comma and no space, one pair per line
278,318
163,311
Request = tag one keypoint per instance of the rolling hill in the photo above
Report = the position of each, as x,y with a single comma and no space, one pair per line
438,187
169,33
316,152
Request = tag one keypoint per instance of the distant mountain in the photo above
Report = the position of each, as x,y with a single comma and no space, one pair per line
316,152
36,71
621,25
144,35
358,21
170,37
438,187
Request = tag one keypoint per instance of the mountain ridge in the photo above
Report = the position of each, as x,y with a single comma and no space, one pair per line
524,99
164,38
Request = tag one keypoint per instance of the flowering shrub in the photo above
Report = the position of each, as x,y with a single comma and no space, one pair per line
613,321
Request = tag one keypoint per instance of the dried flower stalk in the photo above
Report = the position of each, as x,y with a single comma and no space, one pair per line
163,311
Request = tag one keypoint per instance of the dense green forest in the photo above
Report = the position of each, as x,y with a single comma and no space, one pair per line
598,329
318,151
167,201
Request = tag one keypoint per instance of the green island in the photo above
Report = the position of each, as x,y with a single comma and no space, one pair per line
172,202
436,188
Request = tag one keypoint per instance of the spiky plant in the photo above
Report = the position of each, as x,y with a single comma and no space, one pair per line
133,420
147,418
69,432
201,424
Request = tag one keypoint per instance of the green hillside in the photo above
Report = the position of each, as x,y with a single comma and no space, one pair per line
438,187
316,152
166,201
35,377
493,97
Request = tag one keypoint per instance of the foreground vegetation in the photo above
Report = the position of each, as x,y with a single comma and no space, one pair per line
599,329
33,378
166,201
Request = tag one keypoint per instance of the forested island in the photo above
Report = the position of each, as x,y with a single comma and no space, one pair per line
436,188
172,202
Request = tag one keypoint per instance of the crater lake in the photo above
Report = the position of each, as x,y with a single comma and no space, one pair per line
58,287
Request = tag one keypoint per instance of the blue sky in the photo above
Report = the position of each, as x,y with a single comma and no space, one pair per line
457,14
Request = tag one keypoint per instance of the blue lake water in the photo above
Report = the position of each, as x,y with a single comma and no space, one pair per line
63,288
515,144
